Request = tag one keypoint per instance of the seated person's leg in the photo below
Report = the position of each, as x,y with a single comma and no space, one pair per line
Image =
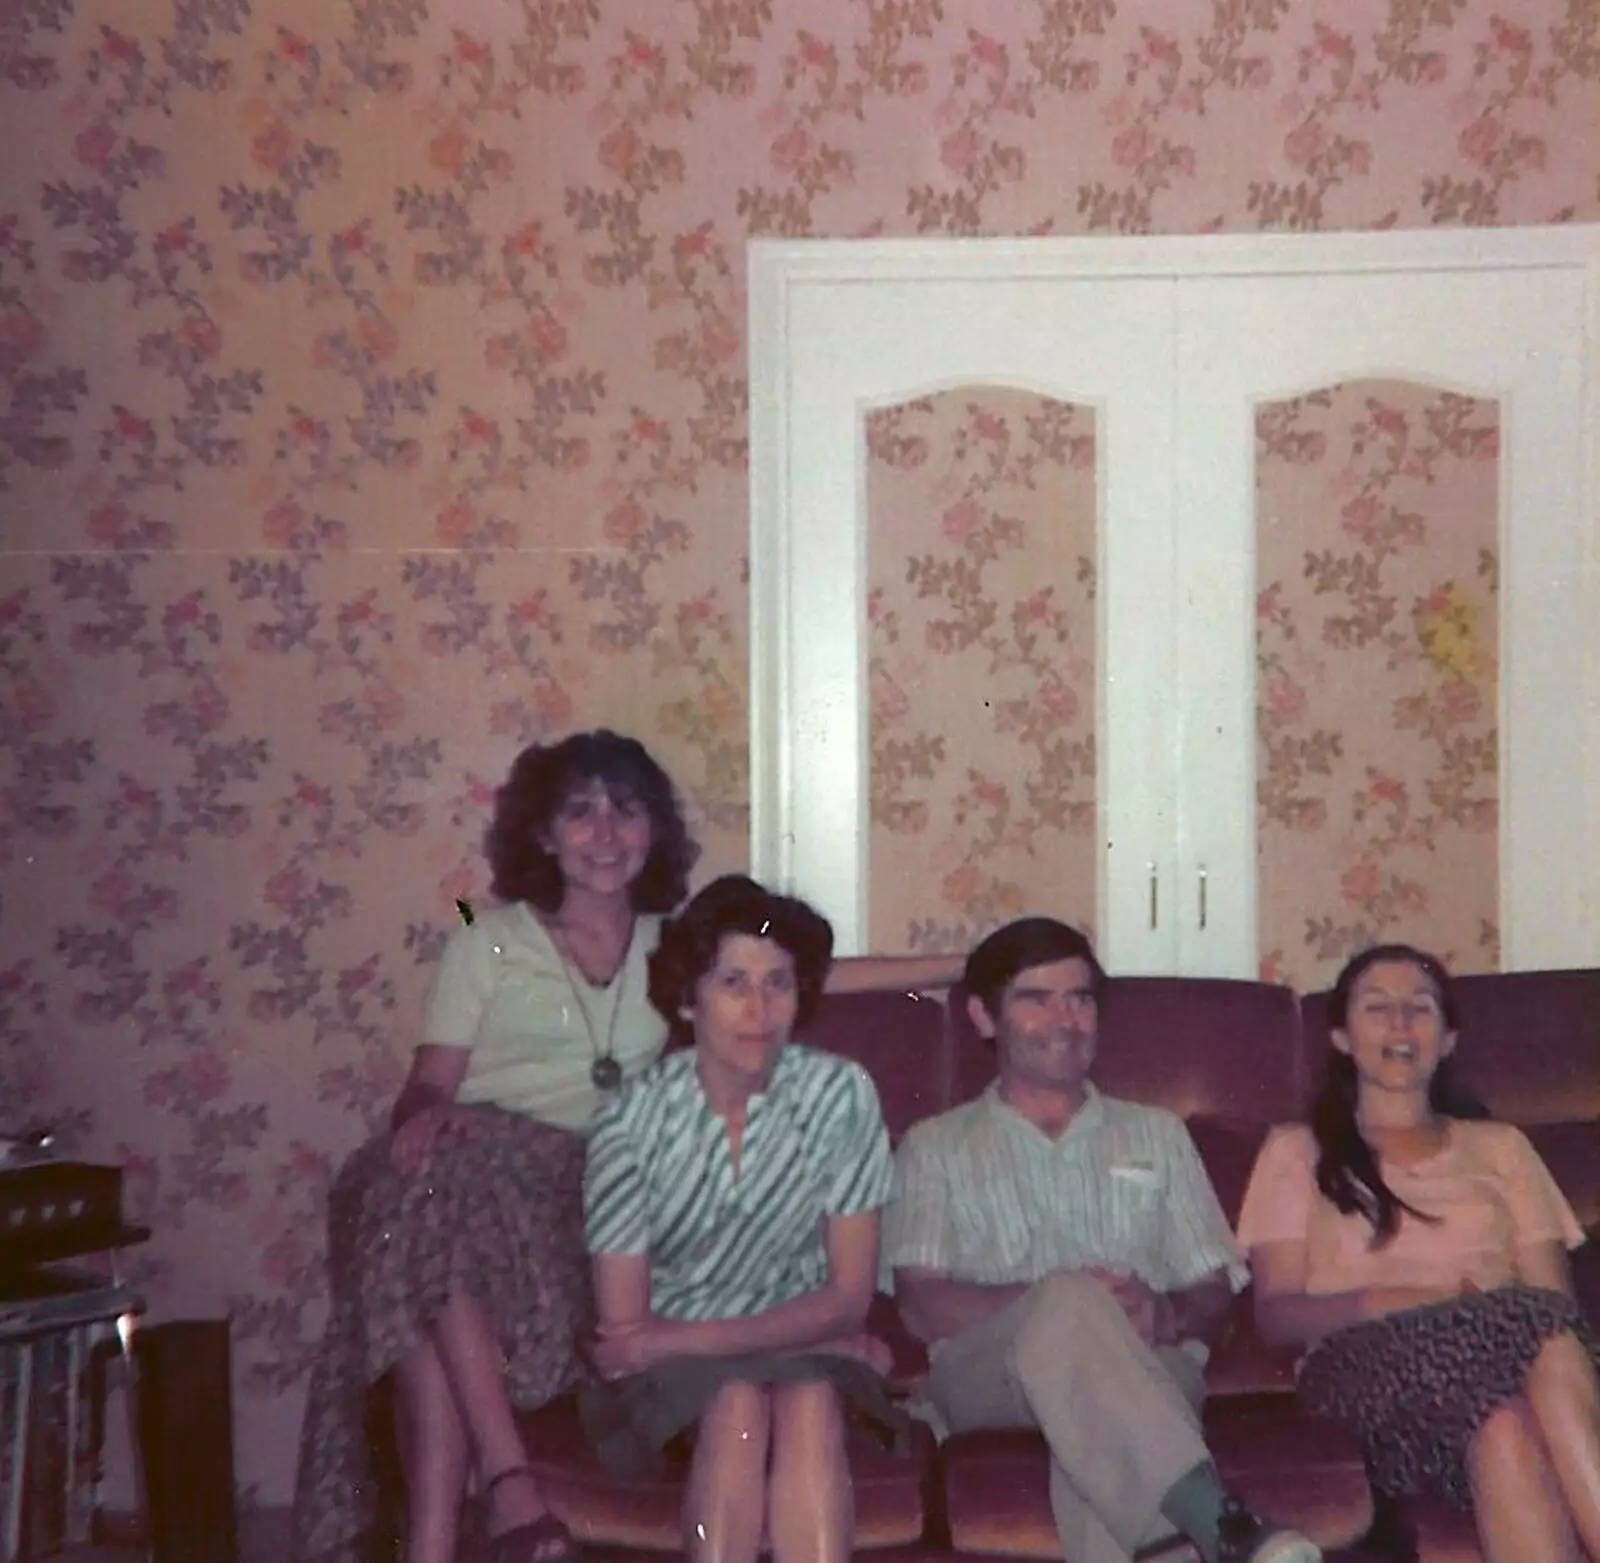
725,1506
1565,1396
811,1508
433,1455
1120,1425
521,1528
1123,1425
1515,1498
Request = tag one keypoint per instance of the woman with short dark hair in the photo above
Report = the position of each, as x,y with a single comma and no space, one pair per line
731,1202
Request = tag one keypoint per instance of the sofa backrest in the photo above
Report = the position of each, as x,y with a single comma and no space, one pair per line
1232,1058
1202,1046
901,1039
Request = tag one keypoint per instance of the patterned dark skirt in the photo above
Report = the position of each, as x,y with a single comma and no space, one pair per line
1418,1384
497,1210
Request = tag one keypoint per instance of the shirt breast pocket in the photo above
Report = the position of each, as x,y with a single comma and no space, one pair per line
1138,1205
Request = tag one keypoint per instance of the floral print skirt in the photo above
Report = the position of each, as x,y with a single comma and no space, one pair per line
1418,1384
498,1210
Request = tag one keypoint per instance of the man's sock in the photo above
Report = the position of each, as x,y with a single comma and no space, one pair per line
1193,1505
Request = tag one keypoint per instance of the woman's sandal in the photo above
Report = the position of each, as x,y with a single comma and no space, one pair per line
544,1540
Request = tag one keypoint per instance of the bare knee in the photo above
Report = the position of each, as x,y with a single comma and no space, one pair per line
739,1411
1564,1369
730,1450
1508,1438
810,1503
808,1428
1519,1506
724,1508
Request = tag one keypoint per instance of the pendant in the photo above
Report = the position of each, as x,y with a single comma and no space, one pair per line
606,1073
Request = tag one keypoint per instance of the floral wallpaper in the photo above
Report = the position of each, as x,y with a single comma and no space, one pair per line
1377,676
983,789
372,401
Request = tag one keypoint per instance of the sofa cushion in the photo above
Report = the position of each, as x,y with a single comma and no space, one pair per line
1302,1471
996,1493
1241,1364
647,1514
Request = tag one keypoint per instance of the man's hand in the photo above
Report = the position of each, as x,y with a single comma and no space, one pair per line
1152,1314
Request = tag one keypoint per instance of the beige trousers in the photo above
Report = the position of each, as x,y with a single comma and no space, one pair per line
1122,1420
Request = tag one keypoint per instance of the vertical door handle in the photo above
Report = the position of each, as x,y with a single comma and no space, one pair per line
1153,903
1202,898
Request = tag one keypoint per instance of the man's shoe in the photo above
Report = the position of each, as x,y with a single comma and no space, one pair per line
1242,1537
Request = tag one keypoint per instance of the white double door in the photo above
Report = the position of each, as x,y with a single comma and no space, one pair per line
1175,343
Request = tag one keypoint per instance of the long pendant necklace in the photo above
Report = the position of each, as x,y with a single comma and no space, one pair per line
605,1071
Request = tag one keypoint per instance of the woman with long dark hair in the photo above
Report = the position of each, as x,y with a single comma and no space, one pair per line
1415,1251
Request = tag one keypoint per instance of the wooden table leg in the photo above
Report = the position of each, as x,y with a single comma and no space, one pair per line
126,1324
19,1449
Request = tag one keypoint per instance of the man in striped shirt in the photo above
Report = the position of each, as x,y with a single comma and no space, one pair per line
731,1204
1065,1258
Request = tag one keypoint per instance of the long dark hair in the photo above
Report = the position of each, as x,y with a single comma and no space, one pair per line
543,777
1347,1170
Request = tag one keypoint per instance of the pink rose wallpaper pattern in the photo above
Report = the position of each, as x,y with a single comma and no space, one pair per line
372,401
981,665
1377,677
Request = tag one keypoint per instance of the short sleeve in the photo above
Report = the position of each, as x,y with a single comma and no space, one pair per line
864,1175
616,1212
460,991
916,1234
1539,1210
1197,1240
1279,1198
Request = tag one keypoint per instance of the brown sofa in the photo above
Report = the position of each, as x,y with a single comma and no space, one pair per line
1231,1058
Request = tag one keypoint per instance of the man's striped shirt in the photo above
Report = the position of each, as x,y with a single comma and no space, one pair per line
660,1181
984,1196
